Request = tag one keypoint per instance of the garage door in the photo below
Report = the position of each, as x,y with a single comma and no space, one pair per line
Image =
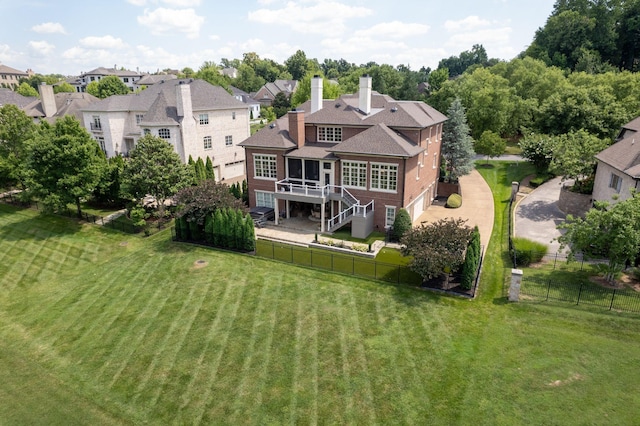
233,170
418,207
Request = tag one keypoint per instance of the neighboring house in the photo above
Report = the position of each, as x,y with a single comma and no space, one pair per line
151,79
230,72
49,106
618,170
356,159
268,92
10,77
254,106
197,118
129,78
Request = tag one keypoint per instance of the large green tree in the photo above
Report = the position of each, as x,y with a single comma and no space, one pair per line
25,90
490,144
16,128
303,92
297,64
155,169
574,155
457,143
108,86
64,164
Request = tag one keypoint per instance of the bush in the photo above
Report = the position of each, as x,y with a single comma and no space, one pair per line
540,179
527,251
401,224
454,201
471,261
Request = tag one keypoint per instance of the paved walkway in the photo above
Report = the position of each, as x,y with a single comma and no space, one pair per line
537,215
477,207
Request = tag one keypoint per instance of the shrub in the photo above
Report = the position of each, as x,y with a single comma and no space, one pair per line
401,224
540,179
471,261
527,251
454,201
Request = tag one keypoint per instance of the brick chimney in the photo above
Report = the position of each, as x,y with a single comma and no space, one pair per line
48,100
365,94
316,93
296,127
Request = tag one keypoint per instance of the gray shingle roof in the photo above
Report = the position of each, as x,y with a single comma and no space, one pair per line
9,97
623,155
274,135
8,70
318,151
160,113
378,140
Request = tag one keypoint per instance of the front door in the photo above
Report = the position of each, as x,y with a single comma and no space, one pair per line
327,172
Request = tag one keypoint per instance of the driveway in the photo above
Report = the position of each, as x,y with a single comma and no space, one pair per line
537,215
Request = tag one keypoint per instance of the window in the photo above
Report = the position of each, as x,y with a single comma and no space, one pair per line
228,140
435,160
93,79
390,216
615,182
329,134
264,166
164,133
101,143
233,115
295,168
204,119
126,79
146,131
139,118
312,170
264,199
207,142
384,177
354,174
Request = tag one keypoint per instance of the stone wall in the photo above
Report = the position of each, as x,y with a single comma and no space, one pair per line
573,203
446,189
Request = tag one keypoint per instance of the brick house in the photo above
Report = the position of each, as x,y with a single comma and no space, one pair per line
354,160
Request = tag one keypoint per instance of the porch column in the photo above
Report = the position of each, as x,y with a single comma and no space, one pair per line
288,207
276,205
322,219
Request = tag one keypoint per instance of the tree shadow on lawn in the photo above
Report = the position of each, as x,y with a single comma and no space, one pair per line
32,227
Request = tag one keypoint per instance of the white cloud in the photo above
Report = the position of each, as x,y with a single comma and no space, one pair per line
487,37
162,21
6,54
138,2
41,48
182,3
466,24
394,29
105,42
214,37
318,19
49,28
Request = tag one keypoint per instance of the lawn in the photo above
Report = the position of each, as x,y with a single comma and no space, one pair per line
100,327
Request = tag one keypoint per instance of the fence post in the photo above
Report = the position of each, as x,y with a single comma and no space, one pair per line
548,288
516,282
613,295
555,261
579,293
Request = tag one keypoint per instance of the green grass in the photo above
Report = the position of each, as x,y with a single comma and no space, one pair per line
345,234
100,327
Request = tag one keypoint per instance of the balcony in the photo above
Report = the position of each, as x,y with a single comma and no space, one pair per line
96,126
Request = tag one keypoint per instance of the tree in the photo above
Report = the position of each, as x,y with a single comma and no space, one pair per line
107,192
154,169
16,128
609,231
538,150
108,86
436,247
303,92
25,90
437,78
63,87
201,173
281,104
457,65
457,144
64,164
297,65
196,202
490,144
208,168
401,224
574,155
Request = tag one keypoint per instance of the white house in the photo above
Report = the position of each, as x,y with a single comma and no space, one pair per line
197,118
129,78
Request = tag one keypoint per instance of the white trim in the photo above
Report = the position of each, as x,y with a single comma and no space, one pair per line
393,167
386,215
343,163
269,157
263,194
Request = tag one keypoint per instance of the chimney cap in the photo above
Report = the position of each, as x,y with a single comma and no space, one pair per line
316,76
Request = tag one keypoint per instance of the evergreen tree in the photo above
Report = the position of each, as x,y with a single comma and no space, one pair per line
249,234
457,143
208,168
239,228
245,192
208,228
201,173
218,228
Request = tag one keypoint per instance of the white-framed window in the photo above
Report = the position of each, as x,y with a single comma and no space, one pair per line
233,115
164,134
228,140
139,118
389,216
264,199
435,160
354,174
100,140
264,166
384,177
615,182
204,119
126,79
329,134
207,142
429,138
96,123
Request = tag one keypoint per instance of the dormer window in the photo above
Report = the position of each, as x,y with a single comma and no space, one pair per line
329,134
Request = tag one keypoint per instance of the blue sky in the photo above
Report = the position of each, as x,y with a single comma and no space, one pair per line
65,37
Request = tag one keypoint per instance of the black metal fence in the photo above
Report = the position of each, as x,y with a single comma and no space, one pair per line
122,226
337,262
539,289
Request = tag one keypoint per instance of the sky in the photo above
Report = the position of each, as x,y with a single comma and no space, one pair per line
69,38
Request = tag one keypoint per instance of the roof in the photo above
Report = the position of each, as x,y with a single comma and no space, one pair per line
9,97
274,136
160,112
286,86
66,104
111,71
378,140
246,98
623,155
633,125
150,79
8,70
318,151
204,97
